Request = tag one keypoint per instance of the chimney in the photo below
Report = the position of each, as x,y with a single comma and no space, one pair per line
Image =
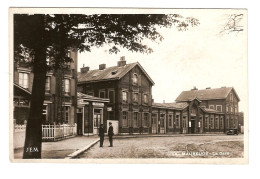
84,69
194,88
102,66
208,88
122,62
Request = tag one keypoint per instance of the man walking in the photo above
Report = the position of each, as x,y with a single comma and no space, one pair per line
101,134
110,134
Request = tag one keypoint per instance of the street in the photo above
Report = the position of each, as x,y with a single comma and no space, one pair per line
221,146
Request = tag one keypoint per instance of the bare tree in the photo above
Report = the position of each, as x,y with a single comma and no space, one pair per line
233,24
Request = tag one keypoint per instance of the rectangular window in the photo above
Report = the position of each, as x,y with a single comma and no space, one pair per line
66,86
211,122
227,109
135,119
207,122
177,119
102,94
111,95
219,108
211,107
231,109
145,98
162,116
48,84
44,114
145,119
23,79
154,117
124,96
184,122
135,97
170,120
221,123
124,118
216,123
67,114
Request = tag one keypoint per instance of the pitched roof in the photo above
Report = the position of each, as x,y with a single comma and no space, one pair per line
206,94
171,105
110,73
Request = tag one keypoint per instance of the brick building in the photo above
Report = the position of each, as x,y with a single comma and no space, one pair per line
60,93
129,90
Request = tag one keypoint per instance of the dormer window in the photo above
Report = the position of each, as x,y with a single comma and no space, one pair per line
135,79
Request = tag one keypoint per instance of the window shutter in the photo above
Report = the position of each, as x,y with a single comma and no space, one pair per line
53,84
72,87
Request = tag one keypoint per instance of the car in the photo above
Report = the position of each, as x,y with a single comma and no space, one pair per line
232,131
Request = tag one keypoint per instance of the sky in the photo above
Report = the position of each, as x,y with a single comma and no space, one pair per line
200,57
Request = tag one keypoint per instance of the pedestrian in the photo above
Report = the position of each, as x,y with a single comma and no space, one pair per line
110,134
101,134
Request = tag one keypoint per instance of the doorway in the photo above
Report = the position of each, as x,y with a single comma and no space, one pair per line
192,126
97,120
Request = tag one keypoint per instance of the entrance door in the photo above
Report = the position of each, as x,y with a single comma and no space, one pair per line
97,119
79,123
192,126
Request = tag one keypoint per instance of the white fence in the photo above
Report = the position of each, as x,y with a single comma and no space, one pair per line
57,132
19,136
49,133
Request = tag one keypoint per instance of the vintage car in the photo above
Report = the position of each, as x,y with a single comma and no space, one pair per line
232,131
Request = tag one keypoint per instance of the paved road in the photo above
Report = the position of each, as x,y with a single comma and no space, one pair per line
221,146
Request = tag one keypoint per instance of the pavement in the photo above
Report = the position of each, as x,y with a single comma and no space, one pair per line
72,147
67,148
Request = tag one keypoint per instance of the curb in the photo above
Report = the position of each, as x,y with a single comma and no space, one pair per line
80,151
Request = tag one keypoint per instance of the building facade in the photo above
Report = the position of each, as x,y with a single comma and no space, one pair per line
129,90
60,101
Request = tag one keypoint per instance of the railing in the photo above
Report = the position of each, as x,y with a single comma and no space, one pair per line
57,132
49,133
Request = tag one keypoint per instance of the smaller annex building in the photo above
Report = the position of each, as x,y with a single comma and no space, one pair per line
91,112
185,118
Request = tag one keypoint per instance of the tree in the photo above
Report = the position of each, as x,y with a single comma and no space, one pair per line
233,24
49,37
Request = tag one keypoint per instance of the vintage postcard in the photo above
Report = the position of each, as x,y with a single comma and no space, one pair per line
108,85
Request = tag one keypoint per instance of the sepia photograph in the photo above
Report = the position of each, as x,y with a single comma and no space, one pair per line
128,85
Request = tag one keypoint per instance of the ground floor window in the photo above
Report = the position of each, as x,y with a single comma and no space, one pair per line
211,122
162,116
216,123
207,122
184,122
97,118
221,123
124,119
145,119
154,117
135,122
67,114
170,120
44,114
177,119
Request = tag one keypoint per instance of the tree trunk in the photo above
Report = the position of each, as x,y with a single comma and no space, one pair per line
33,140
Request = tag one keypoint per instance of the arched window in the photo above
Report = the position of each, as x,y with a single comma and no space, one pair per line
135,79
